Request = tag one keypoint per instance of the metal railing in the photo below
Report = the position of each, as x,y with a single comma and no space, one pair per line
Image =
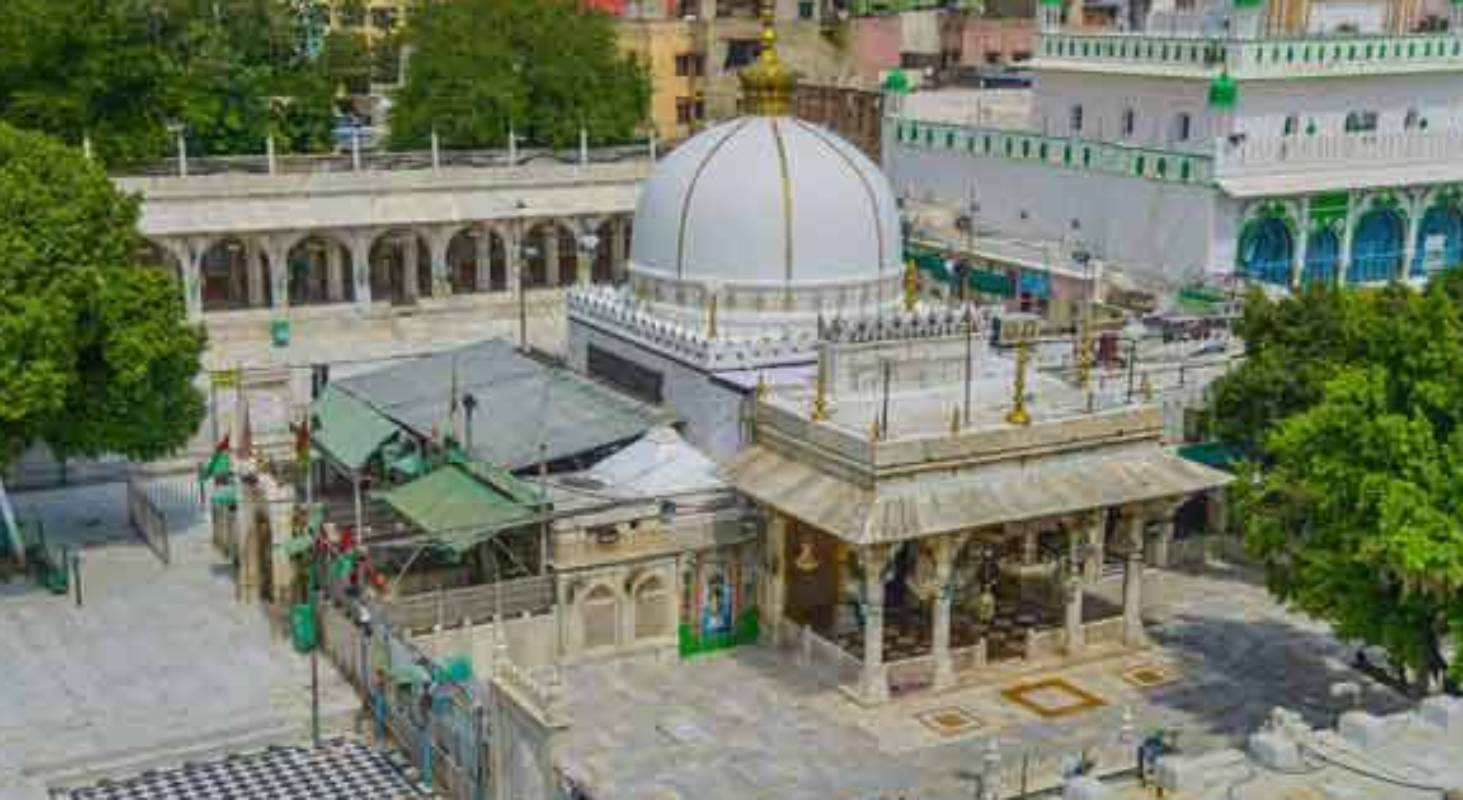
149,521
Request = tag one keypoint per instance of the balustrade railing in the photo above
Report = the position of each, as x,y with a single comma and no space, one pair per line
1277,154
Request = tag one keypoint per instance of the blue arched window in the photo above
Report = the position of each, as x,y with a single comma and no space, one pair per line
1265,251
1439,241
1376,247
1323,254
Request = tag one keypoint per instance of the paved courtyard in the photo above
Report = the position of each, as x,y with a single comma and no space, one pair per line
159,665
754,723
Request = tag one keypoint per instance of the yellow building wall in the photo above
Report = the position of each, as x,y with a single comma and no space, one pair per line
657,43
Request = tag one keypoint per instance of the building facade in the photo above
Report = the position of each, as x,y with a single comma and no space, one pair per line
1197,153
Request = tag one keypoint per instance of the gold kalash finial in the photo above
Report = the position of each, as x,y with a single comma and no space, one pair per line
820,391
1018,415
767,83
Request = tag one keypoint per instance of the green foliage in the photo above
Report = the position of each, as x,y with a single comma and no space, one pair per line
347,60
545,68
121,71
1351,406
98,358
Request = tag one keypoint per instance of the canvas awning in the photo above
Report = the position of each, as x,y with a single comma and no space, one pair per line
347,429
456,509
980,498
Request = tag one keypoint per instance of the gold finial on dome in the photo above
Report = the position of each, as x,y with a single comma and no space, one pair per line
767,83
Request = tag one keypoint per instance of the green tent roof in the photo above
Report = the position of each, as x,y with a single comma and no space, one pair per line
347,429
458,509
1211,454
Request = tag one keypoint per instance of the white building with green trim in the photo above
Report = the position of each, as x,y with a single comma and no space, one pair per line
1214,149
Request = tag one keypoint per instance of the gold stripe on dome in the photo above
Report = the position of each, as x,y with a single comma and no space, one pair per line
786,211
863,179
736,128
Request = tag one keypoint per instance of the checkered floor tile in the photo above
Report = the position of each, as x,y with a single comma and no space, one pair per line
339,770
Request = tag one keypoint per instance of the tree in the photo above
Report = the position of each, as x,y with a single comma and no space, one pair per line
1355,500
120,72
346,60
545,69
98,356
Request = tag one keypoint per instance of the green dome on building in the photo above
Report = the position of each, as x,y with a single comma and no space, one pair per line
1223,91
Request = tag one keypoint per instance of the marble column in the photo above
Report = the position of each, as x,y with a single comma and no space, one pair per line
945,549
438,240
1159,546
334,273
190,263
1133,577
279,273
1343,261
409,267
360,246
551,255
617,249
1302,244
1409,245
512,261
773,585
1096,546
1075,639
254,273
1028,545
874,683
482,259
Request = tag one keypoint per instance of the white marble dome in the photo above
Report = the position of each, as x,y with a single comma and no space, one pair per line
769,203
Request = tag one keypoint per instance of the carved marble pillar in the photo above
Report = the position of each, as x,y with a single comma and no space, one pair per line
277,251
409,267
1133,520
438,240
773,579
189,255
482,259
254,273
1409,245
334,273
1096,545
874,684
945,549
617,249
360,247
1158,547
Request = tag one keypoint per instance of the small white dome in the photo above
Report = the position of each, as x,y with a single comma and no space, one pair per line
766,201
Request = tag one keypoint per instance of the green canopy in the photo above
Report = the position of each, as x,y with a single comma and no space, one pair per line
348,430
457,508
1211,454
409,673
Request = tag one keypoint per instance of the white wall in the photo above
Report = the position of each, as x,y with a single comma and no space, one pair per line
710,410
1156,103
1262,109
1147,228
1264,105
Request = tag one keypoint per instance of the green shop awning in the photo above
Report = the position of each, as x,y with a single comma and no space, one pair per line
347,429
456,508
1211,454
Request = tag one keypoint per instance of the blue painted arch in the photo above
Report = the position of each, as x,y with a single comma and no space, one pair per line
1444,223
1266,250
1376,246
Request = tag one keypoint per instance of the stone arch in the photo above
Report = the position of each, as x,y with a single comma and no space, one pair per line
465,249
229,280
320,270
599,612
1323,257
652,604
549,247
157,255
1377,246
1266,249
1440,228
396,255
527,779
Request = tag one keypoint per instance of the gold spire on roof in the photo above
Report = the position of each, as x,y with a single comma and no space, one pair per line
767,83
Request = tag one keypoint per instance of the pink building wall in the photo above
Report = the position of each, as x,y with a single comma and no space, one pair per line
875,44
